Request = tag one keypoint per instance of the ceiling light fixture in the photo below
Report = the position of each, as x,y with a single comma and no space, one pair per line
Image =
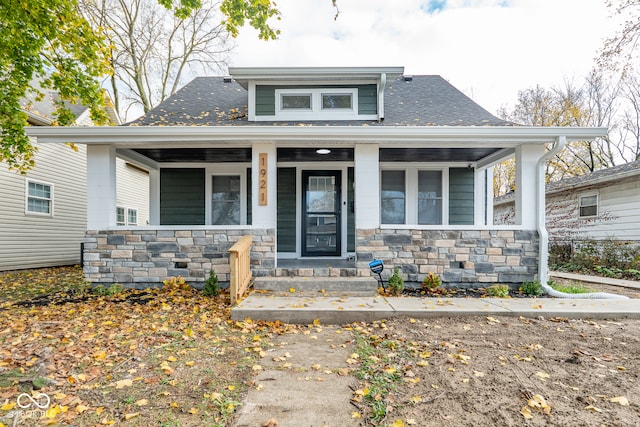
323,151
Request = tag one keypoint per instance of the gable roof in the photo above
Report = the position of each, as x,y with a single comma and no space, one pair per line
409,101
614,173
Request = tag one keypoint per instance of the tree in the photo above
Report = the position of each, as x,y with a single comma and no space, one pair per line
618,51
51,41
152,49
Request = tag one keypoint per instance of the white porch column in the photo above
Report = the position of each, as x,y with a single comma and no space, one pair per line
154,197
483,203
367,183
265,215
526,179
101,187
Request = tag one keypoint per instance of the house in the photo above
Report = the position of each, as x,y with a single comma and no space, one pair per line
43,218
327,168
600,205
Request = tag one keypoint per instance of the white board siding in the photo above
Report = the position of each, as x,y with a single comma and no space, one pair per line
132,190
618,212
31,241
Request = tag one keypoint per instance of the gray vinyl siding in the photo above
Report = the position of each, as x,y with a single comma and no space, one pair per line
266,97
286,210
461,196
32,241
132,189
182,196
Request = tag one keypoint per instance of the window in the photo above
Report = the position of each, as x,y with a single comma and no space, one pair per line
296,102
429,197
335,101
413,196
120,219
393,197
132,216
317,104
225,200
588,205
39,198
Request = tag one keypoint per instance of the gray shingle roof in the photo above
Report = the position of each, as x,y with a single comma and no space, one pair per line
420,101
613,173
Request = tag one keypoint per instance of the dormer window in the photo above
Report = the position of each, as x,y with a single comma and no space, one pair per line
316,103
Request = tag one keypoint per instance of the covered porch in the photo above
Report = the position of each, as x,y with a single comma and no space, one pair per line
418,198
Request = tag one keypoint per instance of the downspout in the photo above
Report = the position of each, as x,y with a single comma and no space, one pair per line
543,235
383,84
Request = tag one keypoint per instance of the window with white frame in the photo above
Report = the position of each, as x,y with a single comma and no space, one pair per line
588,205
225,200
393,197
132,216
39,198
316,103
411,196
120,216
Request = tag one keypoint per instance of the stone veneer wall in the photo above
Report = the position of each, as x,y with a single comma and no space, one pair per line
460,257
147,257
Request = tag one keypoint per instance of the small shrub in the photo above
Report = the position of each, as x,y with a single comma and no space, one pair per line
395,282
211,286
531,288
175,282
107,291
500,291
431,282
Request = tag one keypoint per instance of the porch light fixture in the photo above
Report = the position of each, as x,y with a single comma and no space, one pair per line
323,151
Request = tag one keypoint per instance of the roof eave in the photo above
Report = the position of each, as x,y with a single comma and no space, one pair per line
445,135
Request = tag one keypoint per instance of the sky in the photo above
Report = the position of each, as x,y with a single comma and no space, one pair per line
489,49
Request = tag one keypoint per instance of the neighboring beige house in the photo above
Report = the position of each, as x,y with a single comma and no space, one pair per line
601,205
43,218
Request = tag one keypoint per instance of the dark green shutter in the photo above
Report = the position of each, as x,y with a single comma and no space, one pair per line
249,201
461,196
182,197
367,99
351,215
286,210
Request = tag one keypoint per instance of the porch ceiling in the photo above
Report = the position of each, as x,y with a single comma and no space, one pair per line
435,154
205,155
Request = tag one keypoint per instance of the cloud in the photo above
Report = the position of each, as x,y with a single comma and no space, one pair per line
489,49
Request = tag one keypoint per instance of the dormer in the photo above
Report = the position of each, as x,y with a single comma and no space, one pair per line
315,93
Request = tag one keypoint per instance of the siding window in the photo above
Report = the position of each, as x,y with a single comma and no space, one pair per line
588,205
39,198
316,103
225,200
132,216
429,197
393,197
120,216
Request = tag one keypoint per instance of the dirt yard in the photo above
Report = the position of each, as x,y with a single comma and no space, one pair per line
172,357
506,371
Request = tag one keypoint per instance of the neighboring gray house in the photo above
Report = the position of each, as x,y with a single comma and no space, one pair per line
600,205
43,218
328,168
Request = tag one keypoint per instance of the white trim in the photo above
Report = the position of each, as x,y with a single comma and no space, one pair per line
50,199
124,214
204,136
315,112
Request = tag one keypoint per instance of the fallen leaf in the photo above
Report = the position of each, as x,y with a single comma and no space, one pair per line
131,415
542,375
123,383
593,409
193,411
355,414
623,401
397,423
142,402
526,413
271,423
81,408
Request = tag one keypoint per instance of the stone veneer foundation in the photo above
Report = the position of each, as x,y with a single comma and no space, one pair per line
147,257
461,258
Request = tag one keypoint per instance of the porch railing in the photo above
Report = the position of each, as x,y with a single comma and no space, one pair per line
240,275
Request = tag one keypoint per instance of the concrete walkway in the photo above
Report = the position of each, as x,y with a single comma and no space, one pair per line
342,309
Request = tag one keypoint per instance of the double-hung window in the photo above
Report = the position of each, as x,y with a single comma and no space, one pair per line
588,205
120,216
393,197
429,197
39,198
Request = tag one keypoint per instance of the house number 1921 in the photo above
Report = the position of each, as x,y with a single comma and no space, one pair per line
262,183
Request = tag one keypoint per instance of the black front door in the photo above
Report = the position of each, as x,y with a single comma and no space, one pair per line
321,222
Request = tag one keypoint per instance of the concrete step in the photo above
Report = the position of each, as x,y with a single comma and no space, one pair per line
314,285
